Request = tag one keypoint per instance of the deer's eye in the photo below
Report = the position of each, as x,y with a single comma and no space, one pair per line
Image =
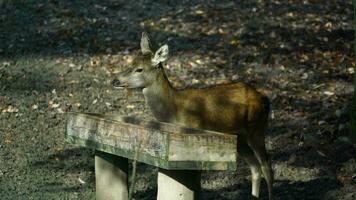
139,70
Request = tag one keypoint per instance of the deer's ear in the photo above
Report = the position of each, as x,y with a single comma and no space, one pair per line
145,44
161,55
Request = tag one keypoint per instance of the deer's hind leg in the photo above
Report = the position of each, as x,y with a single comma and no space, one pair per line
257,144
249,157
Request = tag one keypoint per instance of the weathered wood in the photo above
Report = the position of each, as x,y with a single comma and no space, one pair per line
111,177
178,184
164,145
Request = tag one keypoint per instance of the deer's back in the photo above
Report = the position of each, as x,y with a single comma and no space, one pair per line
221,108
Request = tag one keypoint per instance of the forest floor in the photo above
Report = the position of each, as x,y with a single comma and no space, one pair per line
60,56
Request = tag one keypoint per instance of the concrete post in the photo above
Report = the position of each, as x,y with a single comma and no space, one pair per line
111,176
178,185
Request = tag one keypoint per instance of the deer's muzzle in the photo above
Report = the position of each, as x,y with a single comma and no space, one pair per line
116,84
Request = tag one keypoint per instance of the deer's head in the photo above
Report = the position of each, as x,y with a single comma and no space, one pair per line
144,68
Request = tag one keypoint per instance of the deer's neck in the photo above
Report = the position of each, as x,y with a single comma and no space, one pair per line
160,97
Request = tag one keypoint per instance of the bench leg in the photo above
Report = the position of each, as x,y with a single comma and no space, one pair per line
178,185
111,177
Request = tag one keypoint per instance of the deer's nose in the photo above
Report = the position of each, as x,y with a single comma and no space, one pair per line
115,82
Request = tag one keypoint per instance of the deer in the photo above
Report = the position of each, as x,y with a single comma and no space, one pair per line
225,108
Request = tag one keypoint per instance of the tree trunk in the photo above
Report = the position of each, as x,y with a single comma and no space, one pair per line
352,135
353,114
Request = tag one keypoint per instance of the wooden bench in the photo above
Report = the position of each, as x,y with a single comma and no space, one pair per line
179,153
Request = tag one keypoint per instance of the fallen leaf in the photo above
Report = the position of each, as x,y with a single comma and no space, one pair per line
34,107
51,104
55,105
272,34
60,111
199,12
300,114
7,141
195,81
73,82
329,93
304,76
130,106
81,181
10,109
321,122
328,25
321,153
351,70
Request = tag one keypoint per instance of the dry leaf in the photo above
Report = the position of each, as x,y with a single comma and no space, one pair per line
81,181
199,12
130,106
321,122
60,111
34,107
7,141
51,104
304,76
351,70
329,93
10,109
195,81
321,153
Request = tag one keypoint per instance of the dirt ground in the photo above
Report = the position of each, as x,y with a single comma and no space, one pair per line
60,56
